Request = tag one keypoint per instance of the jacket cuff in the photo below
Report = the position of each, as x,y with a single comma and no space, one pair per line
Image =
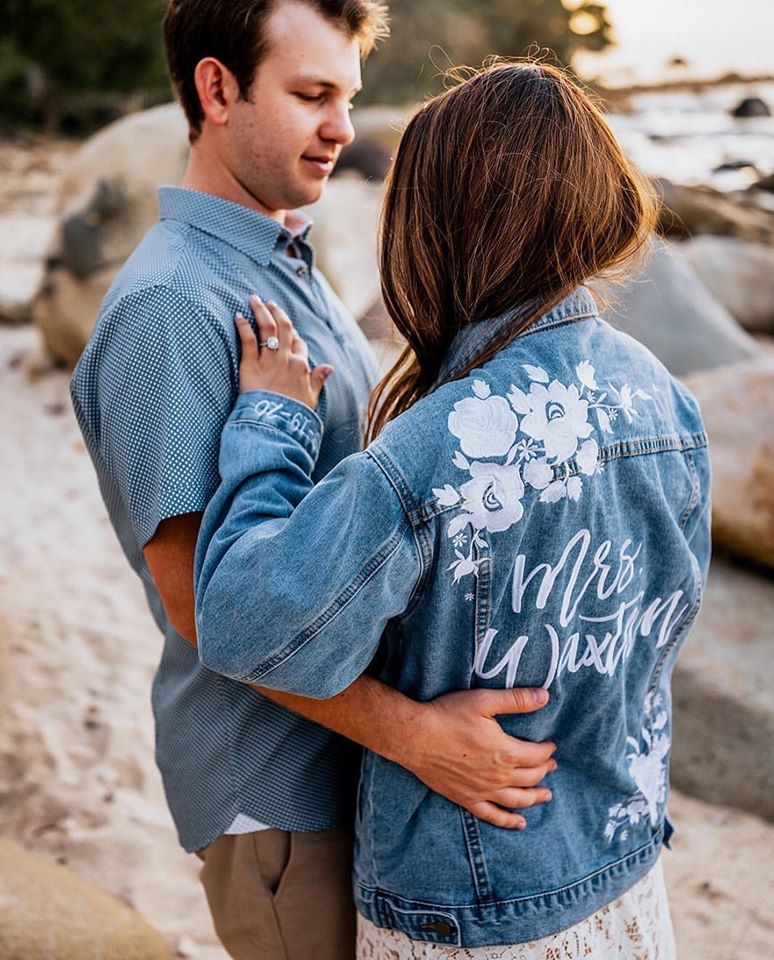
282,413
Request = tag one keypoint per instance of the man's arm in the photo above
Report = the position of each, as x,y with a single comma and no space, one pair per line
453,744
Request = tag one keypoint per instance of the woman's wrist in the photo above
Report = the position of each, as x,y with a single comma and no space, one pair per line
264,408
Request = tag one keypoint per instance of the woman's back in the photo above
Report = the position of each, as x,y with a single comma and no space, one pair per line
541,517
559,498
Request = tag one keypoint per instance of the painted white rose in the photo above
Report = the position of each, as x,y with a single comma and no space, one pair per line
493,497
648,770
538,473
558,417
587,457
485,427
586,375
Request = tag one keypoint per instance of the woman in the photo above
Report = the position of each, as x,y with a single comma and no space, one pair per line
533,509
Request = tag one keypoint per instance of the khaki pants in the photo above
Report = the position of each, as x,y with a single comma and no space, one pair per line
279,895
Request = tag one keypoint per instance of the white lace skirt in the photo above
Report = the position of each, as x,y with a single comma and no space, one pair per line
636,926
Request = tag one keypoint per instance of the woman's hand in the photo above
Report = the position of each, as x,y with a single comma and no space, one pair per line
278,359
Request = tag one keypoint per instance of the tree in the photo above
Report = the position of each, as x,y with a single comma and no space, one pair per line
53,51
428,36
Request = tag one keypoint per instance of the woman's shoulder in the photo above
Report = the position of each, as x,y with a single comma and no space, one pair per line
413,447
561,396
592,362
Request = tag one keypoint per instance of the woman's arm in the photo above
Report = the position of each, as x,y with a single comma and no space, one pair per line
280,564
295,584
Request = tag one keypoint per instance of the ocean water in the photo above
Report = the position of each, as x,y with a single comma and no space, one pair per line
688,136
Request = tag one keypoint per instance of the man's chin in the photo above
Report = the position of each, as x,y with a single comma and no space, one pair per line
309,193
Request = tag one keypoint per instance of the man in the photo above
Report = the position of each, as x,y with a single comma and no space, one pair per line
262,794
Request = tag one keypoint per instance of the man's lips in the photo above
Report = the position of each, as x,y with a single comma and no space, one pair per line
324,164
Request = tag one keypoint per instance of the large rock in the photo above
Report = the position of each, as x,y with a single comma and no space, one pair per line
765,183
47,912
107,202
739,274
738,407
24,242
722,695
690,210
346,227
751,107
669,309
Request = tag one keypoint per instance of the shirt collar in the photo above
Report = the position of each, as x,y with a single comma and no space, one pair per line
251,232
472,339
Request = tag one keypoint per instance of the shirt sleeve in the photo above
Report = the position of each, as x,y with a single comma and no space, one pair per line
296,584
165,387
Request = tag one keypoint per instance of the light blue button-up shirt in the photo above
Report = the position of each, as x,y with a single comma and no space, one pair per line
152,391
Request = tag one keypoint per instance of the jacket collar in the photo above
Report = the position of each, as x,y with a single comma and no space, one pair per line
474,337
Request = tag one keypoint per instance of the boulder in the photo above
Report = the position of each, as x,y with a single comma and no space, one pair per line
345,234
669,309
47,912
739,274
370,160
24,242
107,202
381,125
691,210
765,183
738,407
751,107
721,695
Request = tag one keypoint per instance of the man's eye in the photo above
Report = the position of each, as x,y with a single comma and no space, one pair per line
310,97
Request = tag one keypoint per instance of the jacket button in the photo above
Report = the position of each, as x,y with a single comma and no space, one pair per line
442,928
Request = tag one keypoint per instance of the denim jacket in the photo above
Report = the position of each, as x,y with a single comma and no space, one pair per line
542,521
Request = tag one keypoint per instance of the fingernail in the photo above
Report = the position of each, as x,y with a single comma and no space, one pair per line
540,695
554,765
521,824
256,298
270,303
548,795
241,317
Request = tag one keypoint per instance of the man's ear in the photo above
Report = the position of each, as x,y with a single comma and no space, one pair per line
217,89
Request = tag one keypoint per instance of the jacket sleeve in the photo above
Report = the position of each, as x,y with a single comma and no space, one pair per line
295,584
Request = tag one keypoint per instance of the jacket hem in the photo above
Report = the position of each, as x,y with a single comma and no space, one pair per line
517,920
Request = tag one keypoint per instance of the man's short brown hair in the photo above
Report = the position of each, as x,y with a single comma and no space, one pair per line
195,29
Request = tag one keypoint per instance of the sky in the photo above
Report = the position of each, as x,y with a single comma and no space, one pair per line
714,36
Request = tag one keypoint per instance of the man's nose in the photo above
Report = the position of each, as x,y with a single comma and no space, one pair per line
338,126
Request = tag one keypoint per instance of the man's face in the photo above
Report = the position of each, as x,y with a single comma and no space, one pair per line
282,143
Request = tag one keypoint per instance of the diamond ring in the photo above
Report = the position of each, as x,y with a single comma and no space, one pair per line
271,344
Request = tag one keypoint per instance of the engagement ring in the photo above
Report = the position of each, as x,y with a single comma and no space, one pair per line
271,344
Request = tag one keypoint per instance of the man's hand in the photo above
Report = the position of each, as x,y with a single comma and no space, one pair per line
460,750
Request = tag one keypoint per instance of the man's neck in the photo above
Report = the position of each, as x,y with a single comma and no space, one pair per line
207,175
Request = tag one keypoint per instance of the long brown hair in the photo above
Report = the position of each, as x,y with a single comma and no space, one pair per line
507,192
